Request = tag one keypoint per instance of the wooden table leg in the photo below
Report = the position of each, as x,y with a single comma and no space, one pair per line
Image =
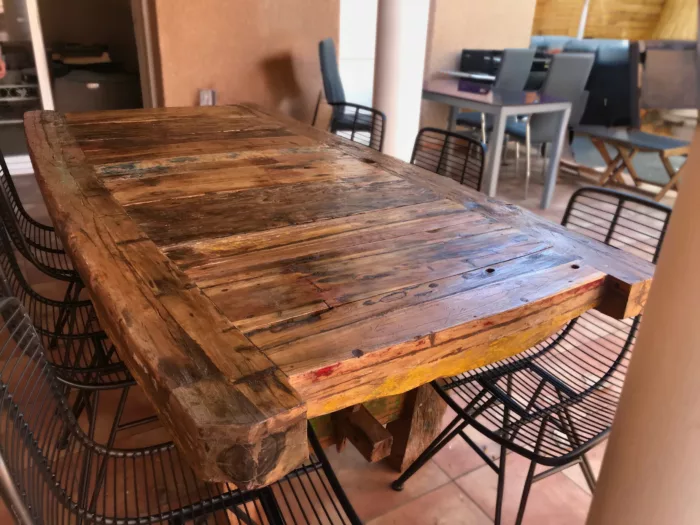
612,171
419,424
672,173
612,166
627,162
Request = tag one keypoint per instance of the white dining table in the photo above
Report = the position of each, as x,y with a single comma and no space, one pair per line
503,104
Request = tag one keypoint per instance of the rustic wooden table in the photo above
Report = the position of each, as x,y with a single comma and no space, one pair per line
255,272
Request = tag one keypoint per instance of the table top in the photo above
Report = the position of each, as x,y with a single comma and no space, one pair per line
449,87
630,137
255,272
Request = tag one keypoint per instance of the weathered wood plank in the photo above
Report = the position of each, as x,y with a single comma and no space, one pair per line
406,347
357,313
313,258
168,130
358,425
129,116
230,409
267,300
419,424
363,278
195,147
314,238
272,207
253,173
633,274
259,271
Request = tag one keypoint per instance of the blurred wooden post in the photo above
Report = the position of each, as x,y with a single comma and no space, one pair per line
651,471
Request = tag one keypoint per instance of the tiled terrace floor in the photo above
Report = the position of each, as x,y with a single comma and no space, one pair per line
456,487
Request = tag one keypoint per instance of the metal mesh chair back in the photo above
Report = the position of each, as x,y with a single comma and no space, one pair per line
358,123
514,69
52,472
332,84
456,156
36,242
68,328
561,395
633,224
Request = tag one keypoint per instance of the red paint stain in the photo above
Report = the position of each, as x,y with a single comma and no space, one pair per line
325,371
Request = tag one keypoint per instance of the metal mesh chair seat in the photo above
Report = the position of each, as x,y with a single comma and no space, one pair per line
36,242
54,472
554,401
453,155
358,123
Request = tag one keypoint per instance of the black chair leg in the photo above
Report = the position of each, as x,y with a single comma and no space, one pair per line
447,435
526,493
588,473
63,313
501,486
530,474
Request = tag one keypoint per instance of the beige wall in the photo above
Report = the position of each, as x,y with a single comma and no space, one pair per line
471,24
263,51
92,22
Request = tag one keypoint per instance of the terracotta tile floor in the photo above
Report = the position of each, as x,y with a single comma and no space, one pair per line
456,487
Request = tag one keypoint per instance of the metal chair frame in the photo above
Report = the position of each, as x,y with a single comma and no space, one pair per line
80,352
37,242
359,119
451,154
543,407
79,349
51,471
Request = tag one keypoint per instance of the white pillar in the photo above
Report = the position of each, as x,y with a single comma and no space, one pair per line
583,19
651,470
402,32
40,61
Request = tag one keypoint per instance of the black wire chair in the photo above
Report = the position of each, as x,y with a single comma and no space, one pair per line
555,401
51,471
81,353
36,242
357,123
453,155
69,329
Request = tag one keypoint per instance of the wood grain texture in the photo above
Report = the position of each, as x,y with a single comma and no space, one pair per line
229,408
419,424
275,272
358,425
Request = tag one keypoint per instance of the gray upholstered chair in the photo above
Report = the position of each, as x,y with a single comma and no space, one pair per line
354,122
567,77
332,84
511,76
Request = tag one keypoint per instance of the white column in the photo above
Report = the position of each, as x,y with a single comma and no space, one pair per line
402,32
583,19
651,470
40,61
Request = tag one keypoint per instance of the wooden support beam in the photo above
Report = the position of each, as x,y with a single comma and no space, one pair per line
420,423
357,425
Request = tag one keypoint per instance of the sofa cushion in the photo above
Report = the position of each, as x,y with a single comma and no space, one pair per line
548,42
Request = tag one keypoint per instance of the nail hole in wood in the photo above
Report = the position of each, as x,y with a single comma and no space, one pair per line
575,266
490,270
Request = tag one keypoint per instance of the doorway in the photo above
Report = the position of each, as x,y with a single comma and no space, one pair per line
67,55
